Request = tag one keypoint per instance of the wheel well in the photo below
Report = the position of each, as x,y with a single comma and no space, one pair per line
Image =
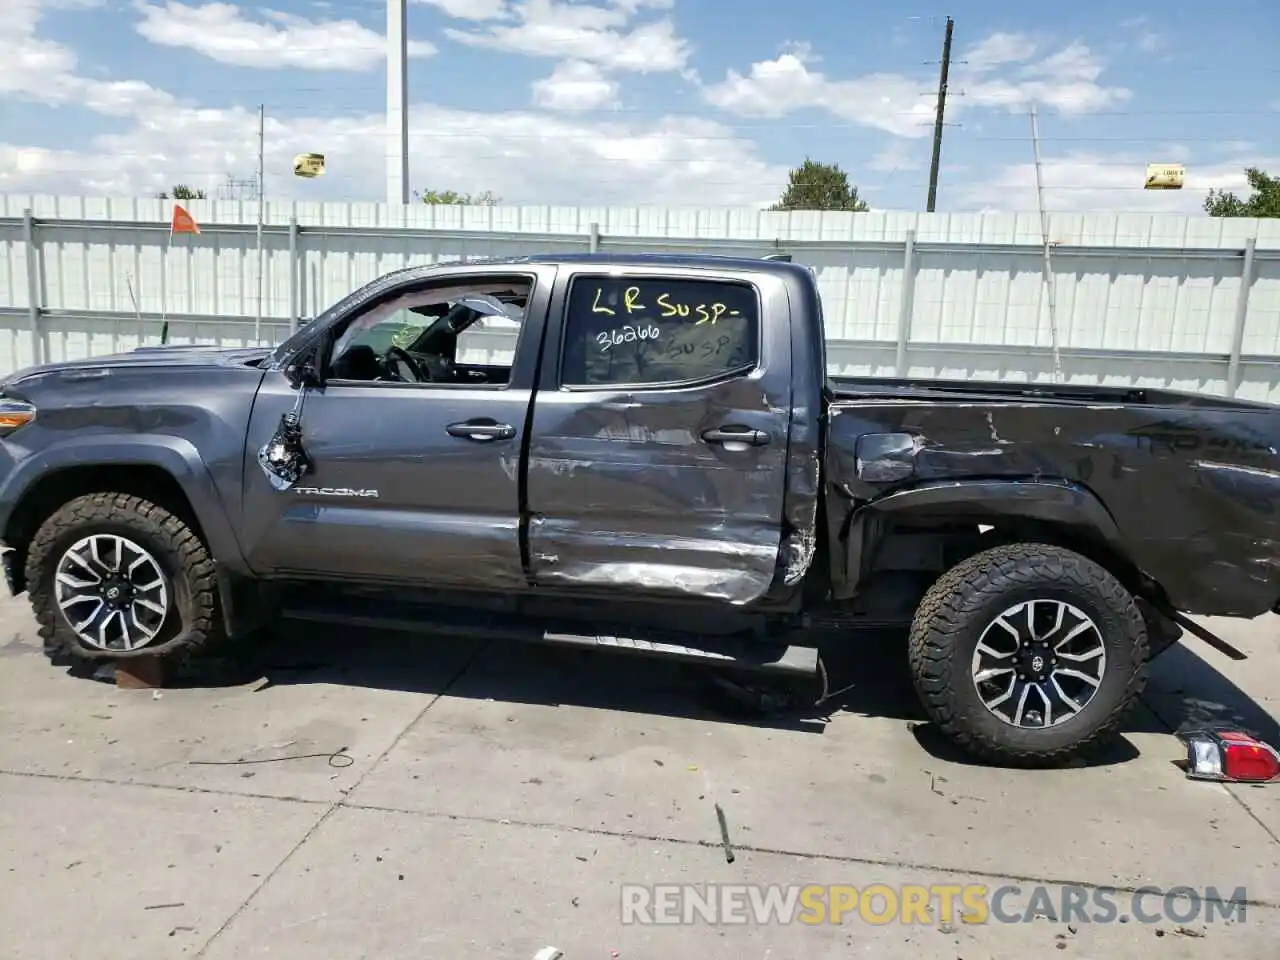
149,482
909,553
1077,539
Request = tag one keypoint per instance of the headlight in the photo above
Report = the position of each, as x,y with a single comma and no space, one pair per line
14,414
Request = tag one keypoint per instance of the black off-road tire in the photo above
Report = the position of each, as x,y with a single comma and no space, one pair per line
960,605
193,623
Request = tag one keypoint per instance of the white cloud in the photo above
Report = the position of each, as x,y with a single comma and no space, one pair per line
521,156
599,33
223,32
469,9
1172,153
999,72
1090,182
25,60
35,69
774,88
533,156
899,155
1150,42
1066,80
635,6
998,50
1145,39
575,87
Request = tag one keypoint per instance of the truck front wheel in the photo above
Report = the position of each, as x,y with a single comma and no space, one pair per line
1028,654
113,576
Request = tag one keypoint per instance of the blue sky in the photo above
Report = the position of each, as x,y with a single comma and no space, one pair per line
668,102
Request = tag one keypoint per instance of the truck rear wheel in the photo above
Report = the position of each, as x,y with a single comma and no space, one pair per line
1028,654
112,576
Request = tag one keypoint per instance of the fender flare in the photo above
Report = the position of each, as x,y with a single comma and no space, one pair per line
1061,502
176,456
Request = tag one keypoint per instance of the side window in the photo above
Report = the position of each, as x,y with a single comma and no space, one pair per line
458,331
400,329
491,340
642,331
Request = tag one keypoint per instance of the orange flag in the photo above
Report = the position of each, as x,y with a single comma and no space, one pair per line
182,221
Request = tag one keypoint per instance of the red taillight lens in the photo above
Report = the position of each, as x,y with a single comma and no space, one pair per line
1229,755
1247,759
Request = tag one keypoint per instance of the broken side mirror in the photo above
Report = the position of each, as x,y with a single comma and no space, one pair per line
307,370
300,374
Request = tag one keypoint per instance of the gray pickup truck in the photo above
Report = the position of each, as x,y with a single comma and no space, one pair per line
660,464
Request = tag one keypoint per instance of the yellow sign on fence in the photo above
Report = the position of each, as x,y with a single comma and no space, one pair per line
1165,176
308,165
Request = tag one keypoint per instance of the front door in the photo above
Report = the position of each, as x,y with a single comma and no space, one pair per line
659,442
412,480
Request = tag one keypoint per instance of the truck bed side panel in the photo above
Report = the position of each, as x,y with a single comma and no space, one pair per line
1194,490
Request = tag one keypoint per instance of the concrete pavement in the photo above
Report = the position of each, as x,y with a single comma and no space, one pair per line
486,801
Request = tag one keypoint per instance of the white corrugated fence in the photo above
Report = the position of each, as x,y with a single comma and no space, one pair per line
1186,302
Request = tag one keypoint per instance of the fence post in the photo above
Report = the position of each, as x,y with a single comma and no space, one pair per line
593,244
1242,315
907,302
33,286
294,271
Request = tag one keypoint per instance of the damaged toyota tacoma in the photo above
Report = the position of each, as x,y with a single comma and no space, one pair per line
643,453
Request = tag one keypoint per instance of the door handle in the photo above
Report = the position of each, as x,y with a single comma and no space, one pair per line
481,431
736,435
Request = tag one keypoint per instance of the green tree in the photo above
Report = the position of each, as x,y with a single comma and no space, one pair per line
452,197
819,186
1264,202
182,192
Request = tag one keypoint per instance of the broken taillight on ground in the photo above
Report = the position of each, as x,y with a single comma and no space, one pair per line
1230,756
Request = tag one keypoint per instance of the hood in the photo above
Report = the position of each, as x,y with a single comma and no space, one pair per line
175,355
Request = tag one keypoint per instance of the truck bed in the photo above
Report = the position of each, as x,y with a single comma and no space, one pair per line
1189,485
858,388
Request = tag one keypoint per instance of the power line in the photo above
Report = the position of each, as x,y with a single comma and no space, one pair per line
272,93
1156,138
590,136
344,91
629,176
246,188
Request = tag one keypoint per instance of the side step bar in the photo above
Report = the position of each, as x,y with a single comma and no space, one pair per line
737,653
790,661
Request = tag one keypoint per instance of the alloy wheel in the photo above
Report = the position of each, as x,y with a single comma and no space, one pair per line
1039,663
112,593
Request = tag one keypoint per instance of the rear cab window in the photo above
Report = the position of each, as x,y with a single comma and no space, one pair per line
650,331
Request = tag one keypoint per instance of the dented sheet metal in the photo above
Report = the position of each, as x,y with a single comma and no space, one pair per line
632,497
632,491
654,562
1192,485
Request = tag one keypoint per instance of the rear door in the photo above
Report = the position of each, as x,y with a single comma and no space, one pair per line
658,450
411,481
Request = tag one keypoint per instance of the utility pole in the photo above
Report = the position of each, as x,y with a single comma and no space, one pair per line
397,146
938,123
